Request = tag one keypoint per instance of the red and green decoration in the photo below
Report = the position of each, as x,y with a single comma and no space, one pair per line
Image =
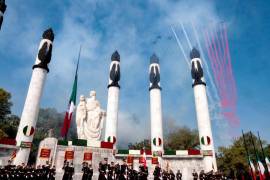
205,140
111,139
28,130
157,141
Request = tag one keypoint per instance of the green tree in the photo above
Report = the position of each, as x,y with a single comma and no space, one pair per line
5,103
9,126
8,122
181,138
235,157
140,145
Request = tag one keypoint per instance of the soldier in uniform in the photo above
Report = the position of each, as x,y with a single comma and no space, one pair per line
70,171
165,175
90,174
111,171
117,171
171,175
52,173
103,168
130,172
85,170
66,170
202,176
123,171
3,173
143,173
179,175
157,172
195,175
38,172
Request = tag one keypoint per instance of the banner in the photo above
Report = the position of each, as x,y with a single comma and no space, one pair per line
87,156
45,153
69,155
155,160
130,159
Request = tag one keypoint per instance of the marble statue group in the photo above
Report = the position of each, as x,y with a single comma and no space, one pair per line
89,118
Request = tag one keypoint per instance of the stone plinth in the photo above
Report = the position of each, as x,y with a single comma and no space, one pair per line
46,151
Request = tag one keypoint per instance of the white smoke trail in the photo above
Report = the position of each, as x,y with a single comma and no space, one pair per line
185,33
180,46
182,49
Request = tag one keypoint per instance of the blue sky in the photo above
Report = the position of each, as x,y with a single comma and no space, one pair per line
131,27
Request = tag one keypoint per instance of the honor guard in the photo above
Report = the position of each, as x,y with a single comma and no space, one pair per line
157,173
123,171
111,171
85,170
143,173
195,175
103,169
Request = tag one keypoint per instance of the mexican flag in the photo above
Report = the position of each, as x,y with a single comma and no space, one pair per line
262,170
267,164
144,158
253,170
71,106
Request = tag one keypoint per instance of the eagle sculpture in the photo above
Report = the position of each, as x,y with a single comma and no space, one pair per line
3,7
115,70
45,52
196,68
154,76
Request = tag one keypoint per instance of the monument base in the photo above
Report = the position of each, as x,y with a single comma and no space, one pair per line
78,151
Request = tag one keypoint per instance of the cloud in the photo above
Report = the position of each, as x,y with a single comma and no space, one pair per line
101,27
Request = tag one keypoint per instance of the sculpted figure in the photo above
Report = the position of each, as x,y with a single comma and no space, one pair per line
89,118
81,117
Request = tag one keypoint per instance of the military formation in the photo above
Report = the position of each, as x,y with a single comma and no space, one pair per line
115,171
109,171
23,172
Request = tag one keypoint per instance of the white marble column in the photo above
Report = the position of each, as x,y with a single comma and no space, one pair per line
155,105
30,111
113,100
202,112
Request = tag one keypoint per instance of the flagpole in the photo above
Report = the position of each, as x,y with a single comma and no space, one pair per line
78,61
245,145
74,93
256,153
267,170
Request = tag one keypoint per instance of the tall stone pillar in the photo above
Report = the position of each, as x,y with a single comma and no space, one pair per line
202,112
30,111
113,100
155,105
3,7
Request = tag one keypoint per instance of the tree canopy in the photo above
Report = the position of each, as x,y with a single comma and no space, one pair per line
235,156
5,103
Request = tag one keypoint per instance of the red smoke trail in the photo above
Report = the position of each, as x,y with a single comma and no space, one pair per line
220,69
229,60
213,63
230,79
219,54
